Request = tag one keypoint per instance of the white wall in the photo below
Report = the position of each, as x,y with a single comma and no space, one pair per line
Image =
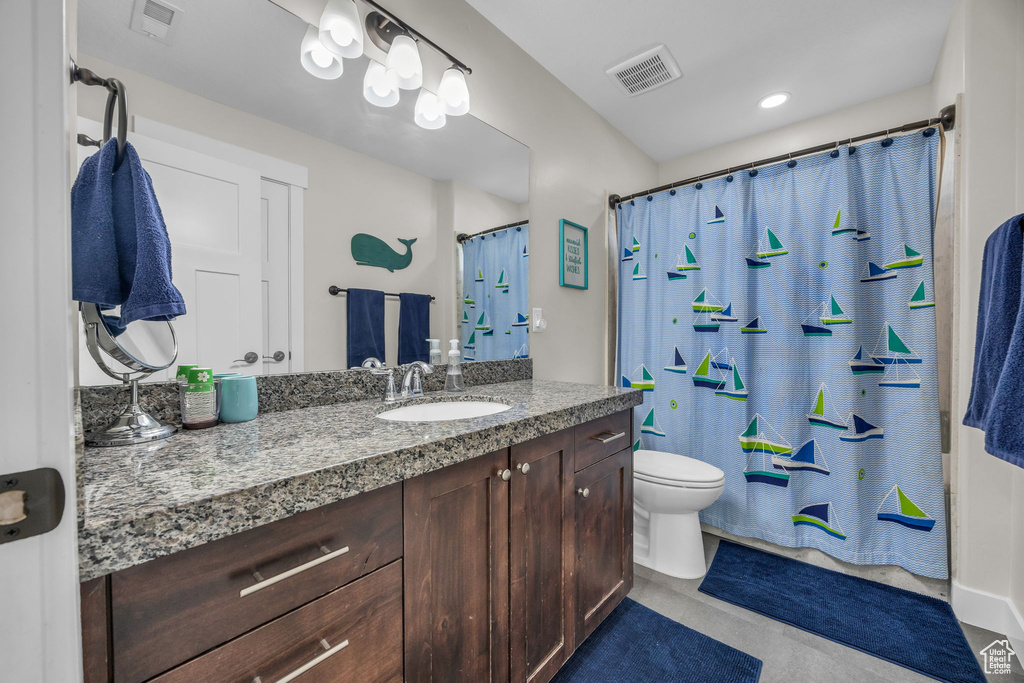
348,193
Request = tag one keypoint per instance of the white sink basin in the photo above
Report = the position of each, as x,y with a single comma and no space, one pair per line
443,410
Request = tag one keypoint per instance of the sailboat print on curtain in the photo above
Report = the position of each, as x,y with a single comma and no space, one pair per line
465,317
821,516
862,235
753,439
627,254
521,320
903,511
483,323
719,216
841,230
687,262
835,316
862,430
471,344
638,273
894,349
738,392
862,364
675,276
650,425
502,283
918,300
817,416
521,352
708,377
754,263
678,364
909,259
816,330
526,252
875,273
770,246
646,381
469,302
722,364
479,275
753,327
725,315
900,375
808,458
706,302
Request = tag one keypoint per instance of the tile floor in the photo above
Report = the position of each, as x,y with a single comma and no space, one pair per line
789,654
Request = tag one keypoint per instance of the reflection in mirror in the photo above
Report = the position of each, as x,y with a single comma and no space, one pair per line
265,174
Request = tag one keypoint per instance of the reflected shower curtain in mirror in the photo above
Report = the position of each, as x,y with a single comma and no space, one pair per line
495,286
781,324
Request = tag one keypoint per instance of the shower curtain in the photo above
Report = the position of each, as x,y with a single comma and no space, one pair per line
781,324
495,283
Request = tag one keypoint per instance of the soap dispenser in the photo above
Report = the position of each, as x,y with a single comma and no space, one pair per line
435,351
453,380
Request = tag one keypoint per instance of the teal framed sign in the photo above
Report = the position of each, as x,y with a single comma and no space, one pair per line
574,249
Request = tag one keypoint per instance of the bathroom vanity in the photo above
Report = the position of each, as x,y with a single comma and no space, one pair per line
326,544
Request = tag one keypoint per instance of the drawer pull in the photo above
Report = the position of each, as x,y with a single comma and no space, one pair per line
311,663
608,437
291,572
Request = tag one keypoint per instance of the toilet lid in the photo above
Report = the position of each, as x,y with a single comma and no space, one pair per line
673,467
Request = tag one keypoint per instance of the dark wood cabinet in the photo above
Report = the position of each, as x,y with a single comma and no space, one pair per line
542,564
95,596
456,572
604,539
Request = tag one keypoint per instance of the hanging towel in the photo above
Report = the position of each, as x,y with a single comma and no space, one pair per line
365,326
413,327
994,405
121,255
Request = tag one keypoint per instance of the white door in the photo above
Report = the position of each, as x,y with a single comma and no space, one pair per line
212,210
39,628
275,278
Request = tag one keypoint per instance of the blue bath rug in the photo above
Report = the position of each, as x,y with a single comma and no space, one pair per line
638,645
918,632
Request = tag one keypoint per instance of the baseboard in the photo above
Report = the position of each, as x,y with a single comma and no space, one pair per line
989,611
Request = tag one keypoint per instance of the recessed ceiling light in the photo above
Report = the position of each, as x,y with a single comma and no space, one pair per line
773,100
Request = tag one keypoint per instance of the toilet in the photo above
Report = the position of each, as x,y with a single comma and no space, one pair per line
668,492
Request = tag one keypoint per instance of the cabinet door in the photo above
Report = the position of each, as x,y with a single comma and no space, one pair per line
456,569
604,539
542,563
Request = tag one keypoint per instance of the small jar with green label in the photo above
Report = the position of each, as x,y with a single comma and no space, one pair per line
182,376
198,399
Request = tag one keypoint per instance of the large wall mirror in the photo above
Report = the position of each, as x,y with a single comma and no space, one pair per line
265,173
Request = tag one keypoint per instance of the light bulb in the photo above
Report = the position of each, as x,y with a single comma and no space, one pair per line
340,30
773,100
453,93
404,60
429,114
316,59
379,85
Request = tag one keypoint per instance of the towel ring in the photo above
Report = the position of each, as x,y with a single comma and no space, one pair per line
116,95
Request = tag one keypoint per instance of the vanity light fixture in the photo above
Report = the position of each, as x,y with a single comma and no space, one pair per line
773,100
429,113
404,61
316,58
340,29
380,87
453,93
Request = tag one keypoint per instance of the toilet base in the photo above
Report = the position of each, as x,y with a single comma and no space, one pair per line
676,540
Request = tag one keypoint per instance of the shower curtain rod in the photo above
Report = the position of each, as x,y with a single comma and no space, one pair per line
946,118
463,237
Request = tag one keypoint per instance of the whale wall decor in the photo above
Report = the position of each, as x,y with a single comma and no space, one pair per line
368,250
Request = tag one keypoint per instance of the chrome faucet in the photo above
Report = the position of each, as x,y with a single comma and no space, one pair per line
412,383
373,363
390,395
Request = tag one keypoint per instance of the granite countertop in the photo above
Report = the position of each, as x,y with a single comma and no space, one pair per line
137,503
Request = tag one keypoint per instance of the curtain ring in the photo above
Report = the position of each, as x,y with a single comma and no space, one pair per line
791,163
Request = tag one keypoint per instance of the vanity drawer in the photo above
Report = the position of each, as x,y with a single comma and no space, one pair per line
598,439
352,634
166,611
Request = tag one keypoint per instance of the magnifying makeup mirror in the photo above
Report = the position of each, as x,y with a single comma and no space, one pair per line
143,348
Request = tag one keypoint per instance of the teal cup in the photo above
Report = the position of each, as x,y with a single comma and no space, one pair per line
238,400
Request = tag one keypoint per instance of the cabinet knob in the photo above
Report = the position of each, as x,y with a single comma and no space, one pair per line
249,358
277,357
505,474
583,492
523,467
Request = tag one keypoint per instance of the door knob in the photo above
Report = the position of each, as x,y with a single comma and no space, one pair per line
249,358
523,467
583,492
505,474
277,357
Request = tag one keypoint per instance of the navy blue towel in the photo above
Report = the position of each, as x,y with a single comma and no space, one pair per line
999,347
365,326
413,328
120,252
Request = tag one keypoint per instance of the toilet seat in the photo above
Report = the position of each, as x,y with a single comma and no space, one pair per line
679,471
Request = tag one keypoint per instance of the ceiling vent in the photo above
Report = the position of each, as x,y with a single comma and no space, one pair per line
156,19
646,71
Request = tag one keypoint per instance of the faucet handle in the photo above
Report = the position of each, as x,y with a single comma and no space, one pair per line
373,363
390,394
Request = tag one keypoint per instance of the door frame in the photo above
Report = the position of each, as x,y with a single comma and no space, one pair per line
39,629
270,168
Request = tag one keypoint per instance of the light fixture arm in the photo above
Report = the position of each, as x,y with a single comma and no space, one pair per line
417,36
